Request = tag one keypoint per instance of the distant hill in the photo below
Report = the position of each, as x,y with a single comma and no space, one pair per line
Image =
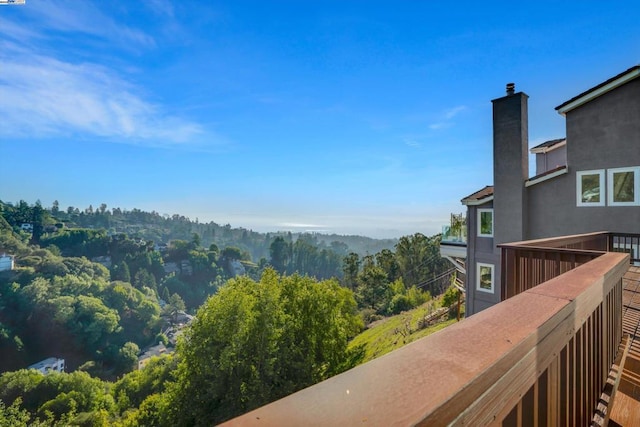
164,228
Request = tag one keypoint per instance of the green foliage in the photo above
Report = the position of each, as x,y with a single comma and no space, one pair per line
399,303
127,357
280,252
56,393
144,279
133,388
372,287
79,242
17,384
380,279
305,256
121,272
174,304
151,413
13,416
86,317
254,342
351,268
450,297
392,333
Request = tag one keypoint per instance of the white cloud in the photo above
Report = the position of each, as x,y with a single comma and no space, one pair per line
161,7
440,125
452,112
42,96
446,118
84,17
413,143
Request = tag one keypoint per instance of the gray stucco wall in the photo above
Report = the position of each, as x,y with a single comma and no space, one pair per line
551,159
483,250
602,134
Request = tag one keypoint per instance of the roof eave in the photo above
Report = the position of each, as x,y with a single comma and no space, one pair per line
543,150
476,202
590,95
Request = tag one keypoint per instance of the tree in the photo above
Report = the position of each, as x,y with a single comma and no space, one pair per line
13,416
174,304
144,279
127,357
372,287
120,272
37,219
254,342
386,260
351,268
413,258
280,254
195,239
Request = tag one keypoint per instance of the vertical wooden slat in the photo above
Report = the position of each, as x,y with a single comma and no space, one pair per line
571,383
580,377
591,395
519,416
548,396
511,420
563,386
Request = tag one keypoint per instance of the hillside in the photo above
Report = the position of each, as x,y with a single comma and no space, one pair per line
391,333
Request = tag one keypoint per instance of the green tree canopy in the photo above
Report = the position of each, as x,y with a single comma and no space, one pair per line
254,342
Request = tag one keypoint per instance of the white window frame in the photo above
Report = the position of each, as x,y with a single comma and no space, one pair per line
479,266
636,186
579,175
480,212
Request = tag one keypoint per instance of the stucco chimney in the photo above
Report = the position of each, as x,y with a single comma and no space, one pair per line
510,165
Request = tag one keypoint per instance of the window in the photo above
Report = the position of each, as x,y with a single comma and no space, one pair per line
484,277
485,222
590,188
623,186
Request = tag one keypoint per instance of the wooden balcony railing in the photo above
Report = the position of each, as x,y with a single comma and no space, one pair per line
539,358
625,242
527,264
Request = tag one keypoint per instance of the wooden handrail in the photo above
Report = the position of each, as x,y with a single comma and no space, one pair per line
542,355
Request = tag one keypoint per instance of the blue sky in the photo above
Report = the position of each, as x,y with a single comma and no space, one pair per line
352,117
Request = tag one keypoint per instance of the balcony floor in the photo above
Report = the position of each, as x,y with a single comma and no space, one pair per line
626,404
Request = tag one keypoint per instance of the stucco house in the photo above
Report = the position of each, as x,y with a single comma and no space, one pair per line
46,366
586,182
6,262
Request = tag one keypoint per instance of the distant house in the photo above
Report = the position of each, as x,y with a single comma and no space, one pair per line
180,317
185,267
46,366
236,267
6,262
171,267
50,228
156,350
26,227
104,260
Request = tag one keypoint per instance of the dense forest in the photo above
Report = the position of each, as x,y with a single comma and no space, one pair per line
273,312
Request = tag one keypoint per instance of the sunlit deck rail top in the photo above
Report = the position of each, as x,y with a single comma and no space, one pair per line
471,373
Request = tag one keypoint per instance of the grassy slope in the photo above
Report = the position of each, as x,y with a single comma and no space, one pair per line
394,332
